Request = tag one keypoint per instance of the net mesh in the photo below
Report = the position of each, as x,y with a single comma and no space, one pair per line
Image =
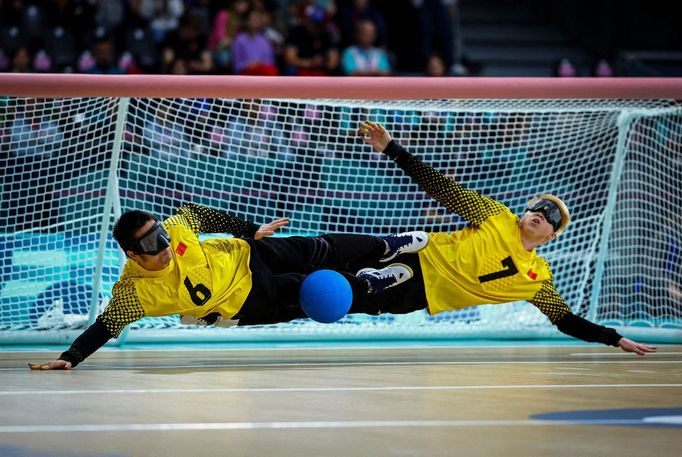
264,159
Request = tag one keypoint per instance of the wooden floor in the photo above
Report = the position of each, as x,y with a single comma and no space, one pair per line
343,401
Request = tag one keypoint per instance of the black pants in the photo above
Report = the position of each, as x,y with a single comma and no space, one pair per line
279,266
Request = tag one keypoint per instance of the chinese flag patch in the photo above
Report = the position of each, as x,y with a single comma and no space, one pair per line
532,275
180,250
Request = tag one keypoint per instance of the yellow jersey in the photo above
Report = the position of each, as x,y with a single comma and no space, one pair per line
201,278
485,263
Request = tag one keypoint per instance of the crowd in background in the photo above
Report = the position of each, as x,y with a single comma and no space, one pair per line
247,37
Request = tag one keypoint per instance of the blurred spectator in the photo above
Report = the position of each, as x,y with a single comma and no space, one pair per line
297,10
42,61
163,15
105,63
140,46
603,69
226,25
21,61
311,48
436,28
188,43
252,52
364,59
179,67
354,11
202,10
435,66
565,69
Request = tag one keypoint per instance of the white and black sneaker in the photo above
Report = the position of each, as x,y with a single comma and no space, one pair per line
210,320
380,280
404,243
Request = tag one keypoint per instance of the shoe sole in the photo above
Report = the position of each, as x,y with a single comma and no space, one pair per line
396,254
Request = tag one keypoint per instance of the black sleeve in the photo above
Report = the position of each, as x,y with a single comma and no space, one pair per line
469,204
585,330
88,342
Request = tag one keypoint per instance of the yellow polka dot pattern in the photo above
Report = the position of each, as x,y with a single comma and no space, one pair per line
548,300
469,204
124,307
208,220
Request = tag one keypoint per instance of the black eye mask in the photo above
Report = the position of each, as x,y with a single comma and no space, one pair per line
550,210
154,241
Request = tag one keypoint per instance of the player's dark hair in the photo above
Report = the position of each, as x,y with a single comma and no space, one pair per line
129,223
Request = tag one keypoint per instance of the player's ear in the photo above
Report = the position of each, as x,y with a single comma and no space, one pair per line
131,254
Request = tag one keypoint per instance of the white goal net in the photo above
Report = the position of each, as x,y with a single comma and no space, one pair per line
71,165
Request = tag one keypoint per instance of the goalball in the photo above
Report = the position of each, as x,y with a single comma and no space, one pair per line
325,296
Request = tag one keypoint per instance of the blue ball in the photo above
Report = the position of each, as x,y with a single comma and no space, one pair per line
325,296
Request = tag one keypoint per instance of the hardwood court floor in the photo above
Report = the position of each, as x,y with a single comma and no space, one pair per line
345,401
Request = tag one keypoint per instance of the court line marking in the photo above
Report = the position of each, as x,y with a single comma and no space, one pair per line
620,354
319,389
79,428
93,367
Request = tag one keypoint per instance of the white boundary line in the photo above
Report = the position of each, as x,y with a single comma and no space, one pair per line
78,428
94,367
321,389
621,354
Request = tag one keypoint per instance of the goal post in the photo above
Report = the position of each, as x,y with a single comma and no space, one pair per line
78,149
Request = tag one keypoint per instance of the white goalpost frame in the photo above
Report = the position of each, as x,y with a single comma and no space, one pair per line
345,92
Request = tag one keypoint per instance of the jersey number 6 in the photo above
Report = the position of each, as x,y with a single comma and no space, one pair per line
199,293
510,269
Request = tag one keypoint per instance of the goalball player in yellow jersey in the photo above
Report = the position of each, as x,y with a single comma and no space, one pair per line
249,279
491,261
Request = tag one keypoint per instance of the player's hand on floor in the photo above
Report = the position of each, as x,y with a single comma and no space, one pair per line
633,346
375,135
269,229
54,365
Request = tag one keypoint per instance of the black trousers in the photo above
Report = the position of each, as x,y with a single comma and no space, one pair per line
279,266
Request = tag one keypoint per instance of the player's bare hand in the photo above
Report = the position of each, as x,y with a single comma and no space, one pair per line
269,229
633,346
54,365
375,135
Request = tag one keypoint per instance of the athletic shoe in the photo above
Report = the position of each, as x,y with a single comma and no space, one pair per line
210,320
380,280
404,243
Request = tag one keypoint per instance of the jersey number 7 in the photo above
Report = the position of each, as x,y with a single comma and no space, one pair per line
510,269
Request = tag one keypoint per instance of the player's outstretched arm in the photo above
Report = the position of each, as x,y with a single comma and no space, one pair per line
467,203
633,346
552,305
270,229
123,309
93,338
